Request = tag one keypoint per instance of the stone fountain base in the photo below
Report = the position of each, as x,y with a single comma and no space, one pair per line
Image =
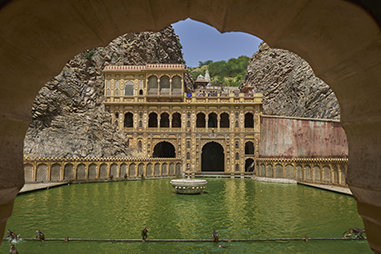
188,186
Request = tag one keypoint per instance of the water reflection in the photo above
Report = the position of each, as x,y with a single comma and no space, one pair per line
239,208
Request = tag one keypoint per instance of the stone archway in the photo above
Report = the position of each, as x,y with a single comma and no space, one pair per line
345,55
213,157
164,150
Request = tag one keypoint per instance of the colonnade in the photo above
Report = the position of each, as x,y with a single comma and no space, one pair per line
59,169
312,170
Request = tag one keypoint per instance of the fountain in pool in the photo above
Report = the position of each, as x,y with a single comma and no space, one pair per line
188,186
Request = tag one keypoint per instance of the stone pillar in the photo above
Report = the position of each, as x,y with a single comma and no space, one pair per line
170,86
218,122
206,122
87,170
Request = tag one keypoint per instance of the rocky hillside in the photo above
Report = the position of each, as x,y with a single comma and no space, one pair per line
69,119
289,85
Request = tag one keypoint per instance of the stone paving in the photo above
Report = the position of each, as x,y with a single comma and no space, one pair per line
39,186
333,188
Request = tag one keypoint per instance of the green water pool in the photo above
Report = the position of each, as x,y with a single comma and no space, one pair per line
239,208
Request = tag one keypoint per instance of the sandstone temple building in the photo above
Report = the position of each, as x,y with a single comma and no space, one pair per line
211,129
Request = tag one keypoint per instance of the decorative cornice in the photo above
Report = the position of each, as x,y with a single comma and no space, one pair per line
109,159
144,67
303,160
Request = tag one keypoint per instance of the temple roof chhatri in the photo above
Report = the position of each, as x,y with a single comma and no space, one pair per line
137,68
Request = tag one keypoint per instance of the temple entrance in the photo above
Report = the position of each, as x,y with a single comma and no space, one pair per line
212,158
249,165
164,150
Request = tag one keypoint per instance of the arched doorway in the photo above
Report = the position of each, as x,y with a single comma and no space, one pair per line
249,120
152,120
128,120
176,120
200,122
249,148
249,165
164,120
212,121
345,55
164,150
213,157
224,122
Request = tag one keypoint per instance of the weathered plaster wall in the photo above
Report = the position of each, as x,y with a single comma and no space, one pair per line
302,138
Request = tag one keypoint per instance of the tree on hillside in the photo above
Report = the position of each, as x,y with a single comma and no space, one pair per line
207,62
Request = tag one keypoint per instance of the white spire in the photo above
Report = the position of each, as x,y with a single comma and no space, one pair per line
207,77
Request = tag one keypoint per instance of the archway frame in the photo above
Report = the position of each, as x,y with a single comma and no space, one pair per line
171,141
221,143
346,55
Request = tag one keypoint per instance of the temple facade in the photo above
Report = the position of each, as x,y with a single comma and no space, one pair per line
211,129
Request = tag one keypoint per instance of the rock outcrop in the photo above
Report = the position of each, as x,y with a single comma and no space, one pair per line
289,85
69,119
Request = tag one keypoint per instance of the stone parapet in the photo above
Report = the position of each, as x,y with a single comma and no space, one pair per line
330,171
93,169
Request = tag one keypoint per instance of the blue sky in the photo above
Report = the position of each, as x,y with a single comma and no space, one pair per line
202,42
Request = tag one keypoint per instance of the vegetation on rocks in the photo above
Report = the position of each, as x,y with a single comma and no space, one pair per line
225,73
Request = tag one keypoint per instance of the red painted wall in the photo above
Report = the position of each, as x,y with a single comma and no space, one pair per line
296,138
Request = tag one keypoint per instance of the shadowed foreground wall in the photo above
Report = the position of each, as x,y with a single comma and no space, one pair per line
284,137
340,40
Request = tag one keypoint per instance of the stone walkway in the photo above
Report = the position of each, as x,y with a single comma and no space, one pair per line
338,189
29,187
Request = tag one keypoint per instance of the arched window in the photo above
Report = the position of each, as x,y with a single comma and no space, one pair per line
129,88
249,120
200,123
116,115
117,92
176,85
117,84
140,115
188,115
108,92
224,122
152,85
108,84
236,115
140,92
236,167
236,144
164,85
188,156
188,124
236,124
152,121
176,120
249,148
164,120
237,156
141,84
128,120
212,121
188,144
140,144
140,124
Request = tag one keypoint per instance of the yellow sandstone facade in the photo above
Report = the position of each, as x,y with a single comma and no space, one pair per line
212,129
